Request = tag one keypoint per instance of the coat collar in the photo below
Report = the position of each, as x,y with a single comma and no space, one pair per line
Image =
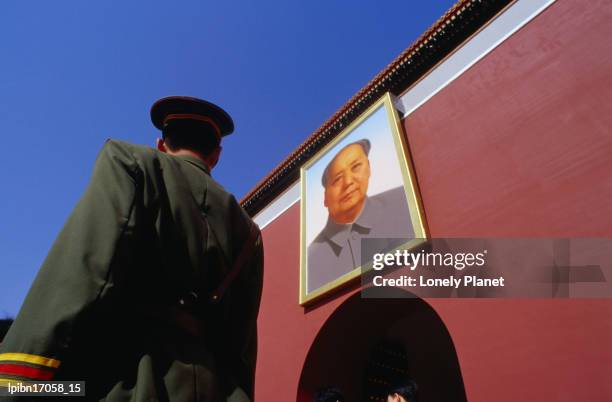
339,233
196,162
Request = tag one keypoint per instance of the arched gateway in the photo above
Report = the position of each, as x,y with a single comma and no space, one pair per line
366,343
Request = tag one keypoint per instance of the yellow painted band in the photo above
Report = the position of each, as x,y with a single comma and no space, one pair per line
5,382
34,359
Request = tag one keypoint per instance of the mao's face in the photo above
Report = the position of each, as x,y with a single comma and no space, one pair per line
347,184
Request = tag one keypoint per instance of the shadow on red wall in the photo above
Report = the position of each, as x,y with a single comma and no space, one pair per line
351,351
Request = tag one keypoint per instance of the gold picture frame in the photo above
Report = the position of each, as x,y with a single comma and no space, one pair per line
337,181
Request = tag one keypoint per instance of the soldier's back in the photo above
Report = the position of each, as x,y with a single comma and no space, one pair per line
151,239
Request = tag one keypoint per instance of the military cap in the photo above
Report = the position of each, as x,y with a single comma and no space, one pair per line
364,143
175,108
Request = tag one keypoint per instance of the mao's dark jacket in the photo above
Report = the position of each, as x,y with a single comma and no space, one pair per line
337,248
152,235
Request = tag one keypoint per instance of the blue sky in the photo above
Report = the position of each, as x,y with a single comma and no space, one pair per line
74,73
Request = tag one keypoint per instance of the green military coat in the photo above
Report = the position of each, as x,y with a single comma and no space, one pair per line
150,229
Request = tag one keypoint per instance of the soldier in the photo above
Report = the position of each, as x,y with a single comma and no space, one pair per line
151,290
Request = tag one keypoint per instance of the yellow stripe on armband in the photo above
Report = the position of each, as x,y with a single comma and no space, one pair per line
34,359
5,382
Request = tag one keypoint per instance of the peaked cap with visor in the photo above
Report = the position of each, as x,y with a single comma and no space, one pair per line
208,117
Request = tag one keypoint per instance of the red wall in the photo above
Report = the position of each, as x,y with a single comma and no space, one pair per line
519,145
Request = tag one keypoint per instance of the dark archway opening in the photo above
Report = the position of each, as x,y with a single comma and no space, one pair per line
406,336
